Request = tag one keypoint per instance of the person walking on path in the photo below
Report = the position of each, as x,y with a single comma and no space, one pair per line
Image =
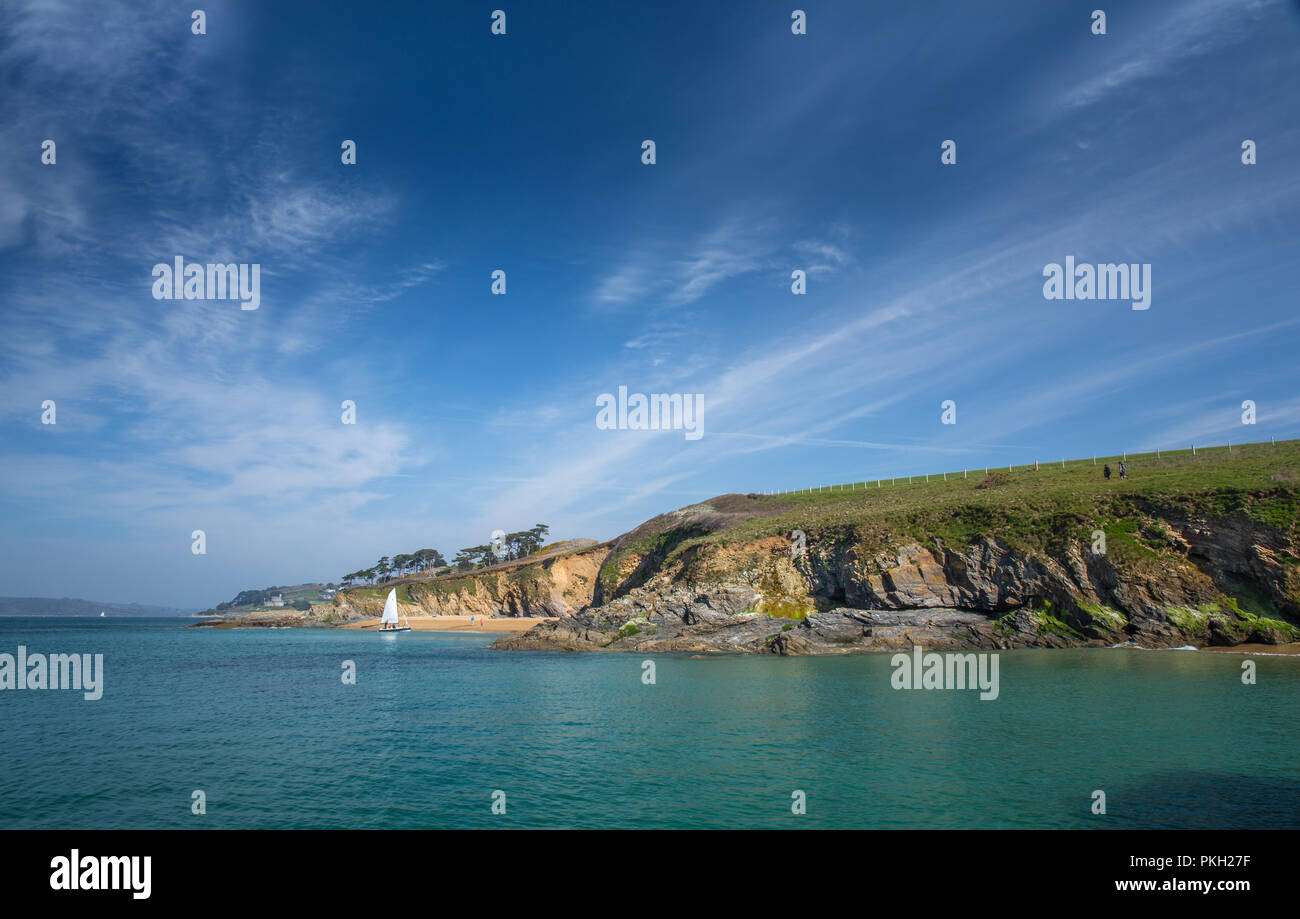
1123,471
1106,471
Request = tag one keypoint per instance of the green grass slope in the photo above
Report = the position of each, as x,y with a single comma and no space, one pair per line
1027,507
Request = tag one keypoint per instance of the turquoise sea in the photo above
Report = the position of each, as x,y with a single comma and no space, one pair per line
262,723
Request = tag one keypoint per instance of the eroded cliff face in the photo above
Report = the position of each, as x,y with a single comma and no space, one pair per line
556,586
1170,578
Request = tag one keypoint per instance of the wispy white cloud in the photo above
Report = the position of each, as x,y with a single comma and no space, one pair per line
1132,53
828,256
1205,423
677,273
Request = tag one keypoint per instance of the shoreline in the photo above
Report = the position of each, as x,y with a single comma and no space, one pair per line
505,625
1291,649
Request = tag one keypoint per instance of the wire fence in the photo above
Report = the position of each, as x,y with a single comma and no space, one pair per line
1223,450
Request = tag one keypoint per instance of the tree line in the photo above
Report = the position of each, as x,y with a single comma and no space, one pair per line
505,548
398,566
508,547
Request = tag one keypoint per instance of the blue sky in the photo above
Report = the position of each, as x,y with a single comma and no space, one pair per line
523,152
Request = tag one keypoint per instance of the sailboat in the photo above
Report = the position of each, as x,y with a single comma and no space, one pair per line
389,622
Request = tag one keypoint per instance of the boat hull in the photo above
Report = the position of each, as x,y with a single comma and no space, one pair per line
403,628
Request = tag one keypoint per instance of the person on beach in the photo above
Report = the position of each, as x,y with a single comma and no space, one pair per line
1106,471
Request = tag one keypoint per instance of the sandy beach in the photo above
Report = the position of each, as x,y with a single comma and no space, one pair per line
502,625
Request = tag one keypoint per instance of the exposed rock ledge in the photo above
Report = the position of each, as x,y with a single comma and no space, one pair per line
722,620
751,596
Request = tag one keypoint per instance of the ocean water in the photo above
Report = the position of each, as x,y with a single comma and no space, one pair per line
262,723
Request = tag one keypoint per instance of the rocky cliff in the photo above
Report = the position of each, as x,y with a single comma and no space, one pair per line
558,585
1190,555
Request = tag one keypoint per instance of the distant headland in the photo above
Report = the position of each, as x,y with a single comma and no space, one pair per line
68,606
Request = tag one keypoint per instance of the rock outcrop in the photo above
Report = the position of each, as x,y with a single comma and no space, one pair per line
1173,577
557,585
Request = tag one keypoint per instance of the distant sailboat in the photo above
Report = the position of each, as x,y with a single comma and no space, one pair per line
101,614
389,622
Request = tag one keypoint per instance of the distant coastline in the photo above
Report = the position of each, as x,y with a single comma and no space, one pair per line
71,607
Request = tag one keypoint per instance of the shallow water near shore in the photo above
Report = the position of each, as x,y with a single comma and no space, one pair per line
261,722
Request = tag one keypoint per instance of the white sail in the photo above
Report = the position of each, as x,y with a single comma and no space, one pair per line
390,608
